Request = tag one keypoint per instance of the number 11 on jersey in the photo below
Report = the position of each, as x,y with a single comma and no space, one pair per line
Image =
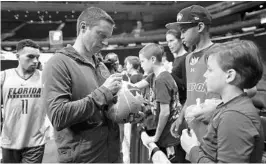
24,106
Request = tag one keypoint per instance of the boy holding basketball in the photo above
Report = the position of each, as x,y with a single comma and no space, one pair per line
164,94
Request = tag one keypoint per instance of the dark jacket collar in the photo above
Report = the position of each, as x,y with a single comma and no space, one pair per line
72,53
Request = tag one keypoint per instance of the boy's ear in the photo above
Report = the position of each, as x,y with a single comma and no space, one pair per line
201,26
231,76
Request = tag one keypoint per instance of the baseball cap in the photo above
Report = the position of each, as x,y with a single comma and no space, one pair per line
191,14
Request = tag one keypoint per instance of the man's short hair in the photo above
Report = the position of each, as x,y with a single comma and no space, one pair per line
175,33
26,43
91,16
152,49
134,60
244,57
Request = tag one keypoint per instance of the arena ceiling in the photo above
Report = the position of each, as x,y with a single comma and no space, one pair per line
34,20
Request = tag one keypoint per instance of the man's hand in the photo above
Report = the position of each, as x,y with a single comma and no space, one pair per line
188,140
137,118
113,82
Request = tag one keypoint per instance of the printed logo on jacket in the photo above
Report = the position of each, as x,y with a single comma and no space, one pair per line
104,71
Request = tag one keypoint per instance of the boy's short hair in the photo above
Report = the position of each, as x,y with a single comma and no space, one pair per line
134,60
175,33
26,43
91,16
244,57
152,49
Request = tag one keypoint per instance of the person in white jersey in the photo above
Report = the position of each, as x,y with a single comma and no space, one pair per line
22,134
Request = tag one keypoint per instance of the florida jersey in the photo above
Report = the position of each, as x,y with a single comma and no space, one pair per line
23,117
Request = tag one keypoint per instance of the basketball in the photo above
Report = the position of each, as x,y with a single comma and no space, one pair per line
127,106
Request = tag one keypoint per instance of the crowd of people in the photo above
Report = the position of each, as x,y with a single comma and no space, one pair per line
197,108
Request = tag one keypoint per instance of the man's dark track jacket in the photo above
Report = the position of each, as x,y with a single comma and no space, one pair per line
76,102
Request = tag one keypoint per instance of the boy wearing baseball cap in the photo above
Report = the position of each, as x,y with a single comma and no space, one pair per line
192,15
194,23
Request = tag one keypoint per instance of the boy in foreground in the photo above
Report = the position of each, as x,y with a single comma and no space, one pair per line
235,133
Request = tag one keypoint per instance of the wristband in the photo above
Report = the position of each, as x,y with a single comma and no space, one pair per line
154,151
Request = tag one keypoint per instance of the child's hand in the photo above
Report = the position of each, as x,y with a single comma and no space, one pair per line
188,140
198,111
128,84
140,98
175,128
146,140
